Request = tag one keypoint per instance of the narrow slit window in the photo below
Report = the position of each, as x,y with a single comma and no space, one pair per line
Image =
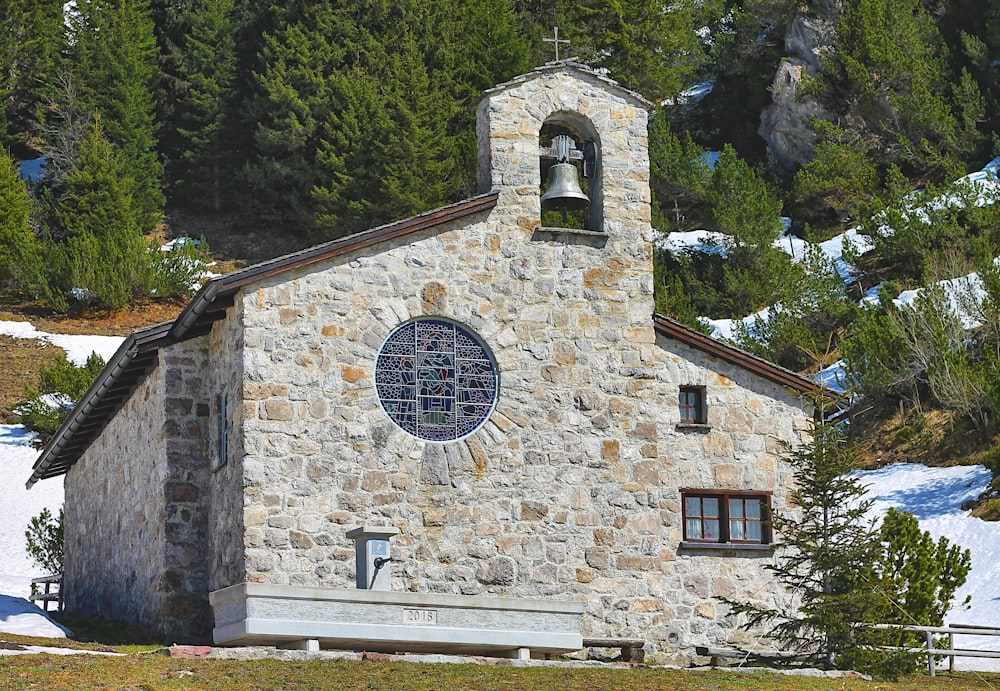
223,458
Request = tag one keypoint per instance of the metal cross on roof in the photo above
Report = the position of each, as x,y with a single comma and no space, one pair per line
556,40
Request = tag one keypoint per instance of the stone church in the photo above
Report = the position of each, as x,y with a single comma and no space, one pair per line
495,395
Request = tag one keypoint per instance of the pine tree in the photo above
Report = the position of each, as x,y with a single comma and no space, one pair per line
743,205
971,28
294,96
98,257
745,208
31,38
468,48
348,197
913,580
679,173
44,540
364,112
893,61
199,67
114,62
847,571
650,46
822,543
387,143
920,575
19,260
801,331
838,181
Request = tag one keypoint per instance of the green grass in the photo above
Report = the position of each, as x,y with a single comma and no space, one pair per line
140,667
151,672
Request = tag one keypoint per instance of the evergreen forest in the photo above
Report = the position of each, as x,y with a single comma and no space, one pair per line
322,119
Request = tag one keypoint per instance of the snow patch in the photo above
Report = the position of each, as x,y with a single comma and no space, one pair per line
24,618
78,348
833,377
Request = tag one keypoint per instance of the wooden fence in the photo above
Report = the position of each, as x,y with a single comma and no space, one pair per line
951,652
47,595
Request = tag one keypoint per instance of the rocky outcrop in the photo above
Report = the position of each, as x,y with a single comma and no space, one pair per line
785,123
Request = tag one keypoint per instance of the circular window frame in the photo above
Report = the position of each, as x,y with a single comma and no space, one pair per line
381,359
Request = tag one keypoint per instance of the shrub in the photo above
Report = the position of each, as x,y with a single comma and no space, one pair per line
914,579
60,387
800,331
832,186
45,541
176,272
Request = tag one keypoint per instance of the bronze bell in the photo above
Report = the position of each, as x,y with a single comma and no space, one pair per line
564,193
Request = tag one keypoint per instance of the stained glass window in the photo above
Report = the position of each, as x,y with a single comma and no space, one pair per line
436,379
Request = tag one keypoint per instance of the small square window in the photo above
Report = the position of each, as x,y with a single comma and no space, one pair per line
691,402
716,517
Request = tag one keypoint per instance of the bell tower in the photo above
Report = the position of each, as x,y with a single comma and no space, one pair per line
568,148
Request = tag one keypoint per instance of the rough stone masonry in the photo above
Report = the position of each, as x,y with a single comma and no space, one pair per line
570,491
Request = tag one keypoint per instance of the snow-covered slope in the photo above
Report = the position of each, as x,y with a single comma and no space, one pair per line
984,183
78,348
935,497
18,505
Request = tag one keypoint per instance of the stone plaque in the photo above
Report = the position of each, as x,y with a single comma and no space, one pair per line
426,617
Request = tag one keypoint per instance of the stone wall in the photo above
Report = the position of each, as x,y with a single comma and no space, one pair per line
749,422
115,515
570,490
137,506
186,614
226,478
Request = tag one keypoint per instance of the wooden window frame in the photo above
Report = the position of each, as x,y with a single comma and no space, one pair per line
699,407
724,539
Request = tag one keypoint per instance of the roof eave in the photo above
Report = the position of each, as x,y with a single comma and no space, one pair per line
574,65
137,343
672,328
205,307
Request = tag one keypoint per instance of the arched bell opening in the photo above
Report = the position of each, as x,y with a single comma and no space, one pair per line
570,170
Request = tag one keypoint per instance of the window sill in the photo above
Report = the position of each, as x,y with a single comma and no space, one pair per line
571,231
738,546
696,426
